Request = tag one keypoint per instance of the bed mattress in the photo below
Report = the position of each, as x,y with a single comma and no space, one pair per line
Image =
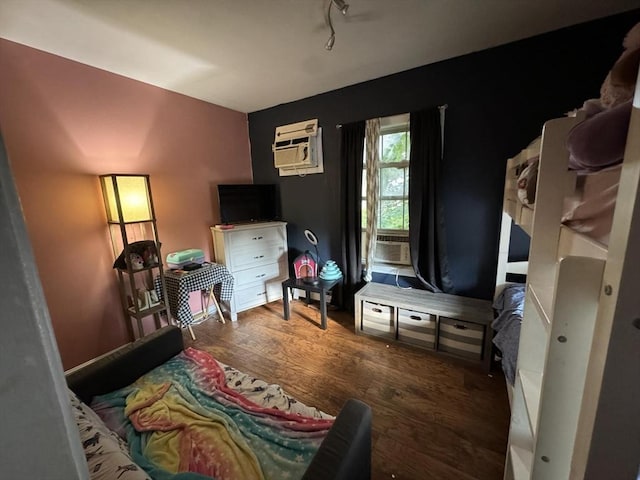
195,414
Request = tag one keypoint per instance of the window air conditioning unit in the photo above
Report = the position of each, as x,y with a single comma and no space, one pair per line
393,252
296,145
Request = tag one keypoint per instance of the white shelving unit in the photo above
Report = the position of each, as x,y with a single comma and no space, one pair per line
573,413
448,324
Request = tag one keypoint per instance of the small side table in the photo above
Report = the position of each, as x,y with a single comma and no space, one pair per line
205,279
323,287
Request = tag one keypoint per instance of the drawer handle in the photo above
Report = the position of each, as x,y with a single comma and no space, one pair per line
257,238
459,327
415,317
262,293
259,256
261,275
377,310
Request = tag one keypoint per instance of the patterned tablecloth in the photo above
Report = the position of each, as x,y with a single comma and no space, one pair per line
179,285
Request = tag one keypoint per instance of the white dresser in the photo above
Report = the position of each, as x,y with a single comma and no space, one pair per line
256,256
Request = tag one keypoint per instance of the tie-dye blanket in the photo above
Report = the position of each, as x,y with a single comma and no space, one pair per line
195,418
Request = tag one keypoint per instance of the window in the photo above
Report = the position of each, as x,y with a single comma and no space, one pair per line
393,203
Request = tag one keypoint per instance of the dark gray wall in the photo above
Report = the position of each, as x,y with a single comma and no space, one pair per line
498,100
40,438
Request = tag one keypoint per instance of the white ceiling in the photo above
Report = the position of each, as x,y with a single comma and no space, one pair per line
248,55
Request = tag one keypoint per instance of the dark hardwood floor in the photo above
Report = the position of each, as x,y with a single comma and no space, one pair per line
433,417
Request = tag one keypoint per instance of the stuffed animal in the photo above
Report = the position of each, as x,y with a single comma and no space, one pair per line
619,85
149,256
136,261
145,248
599,141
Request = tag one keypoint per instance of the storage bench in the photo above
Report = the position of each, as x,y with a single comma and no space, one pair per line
448,324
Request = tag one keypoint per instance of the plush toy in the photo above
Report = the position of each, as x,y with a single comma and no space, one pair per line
619,85
136,261
149,256
145,248
599,141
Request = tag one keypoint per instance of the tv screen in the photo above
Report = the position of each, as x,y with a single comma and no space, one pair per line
247,203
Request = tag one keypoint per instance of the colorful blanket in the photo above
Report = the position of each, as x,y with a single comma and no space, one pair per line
194,418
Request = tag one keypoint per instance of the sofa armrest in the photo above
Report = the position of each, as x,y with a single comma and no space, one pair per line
123,366
345,453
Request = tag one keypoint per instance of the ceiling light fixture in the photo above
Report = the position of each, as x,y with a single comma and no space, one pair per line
343,7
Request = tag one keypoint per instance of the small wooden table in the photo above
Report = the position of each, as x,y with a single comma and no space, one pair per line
205,279
322,287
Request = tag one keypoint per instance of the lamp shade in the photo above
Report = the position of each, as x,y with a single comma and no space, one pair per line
127,198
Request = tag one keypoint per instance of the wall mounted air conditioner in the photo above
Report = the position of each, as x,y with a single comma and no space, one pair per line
393,252
297,146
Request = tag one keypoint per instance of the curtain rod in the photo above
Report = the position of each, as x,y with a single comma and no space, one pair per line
440,107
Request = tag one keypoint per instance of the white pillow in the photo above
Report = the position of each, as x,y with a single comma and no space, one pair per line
107,454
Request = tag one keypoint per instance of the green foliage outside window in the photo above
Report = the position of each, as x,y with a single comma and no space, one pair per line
393,208
395,147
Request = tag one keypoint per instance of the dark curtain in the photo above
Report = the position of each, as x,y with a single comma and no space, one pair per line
427,236
351,157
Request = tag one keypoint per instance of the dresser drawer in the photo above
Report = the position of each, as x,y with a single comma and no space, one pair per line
261,273
256,237
257,294
461,338
417,328
249,297
256,255
378,319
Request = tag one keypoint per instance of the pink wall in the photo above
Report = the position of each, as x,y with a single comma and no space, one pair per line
63,124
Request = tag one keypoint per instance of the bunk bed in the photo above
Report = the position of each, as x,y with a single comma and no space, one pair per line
575,385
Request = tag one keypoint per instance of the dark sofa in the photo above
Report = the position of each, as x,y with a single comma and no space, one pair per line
345,453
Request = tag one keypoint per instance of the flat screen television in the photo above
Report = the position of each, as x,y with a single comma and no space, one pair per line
248,203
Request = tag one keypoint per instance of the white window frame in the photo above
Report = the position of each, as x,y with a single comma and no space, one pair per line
389,125
400,165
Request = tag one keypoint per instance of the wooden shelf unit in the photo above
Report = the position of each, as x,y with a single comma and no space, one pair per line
130,281
132,227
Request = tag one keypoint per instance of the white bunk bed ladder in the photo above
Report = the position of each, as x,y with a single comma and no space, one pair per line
574,316
608,443
575,410
554,182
